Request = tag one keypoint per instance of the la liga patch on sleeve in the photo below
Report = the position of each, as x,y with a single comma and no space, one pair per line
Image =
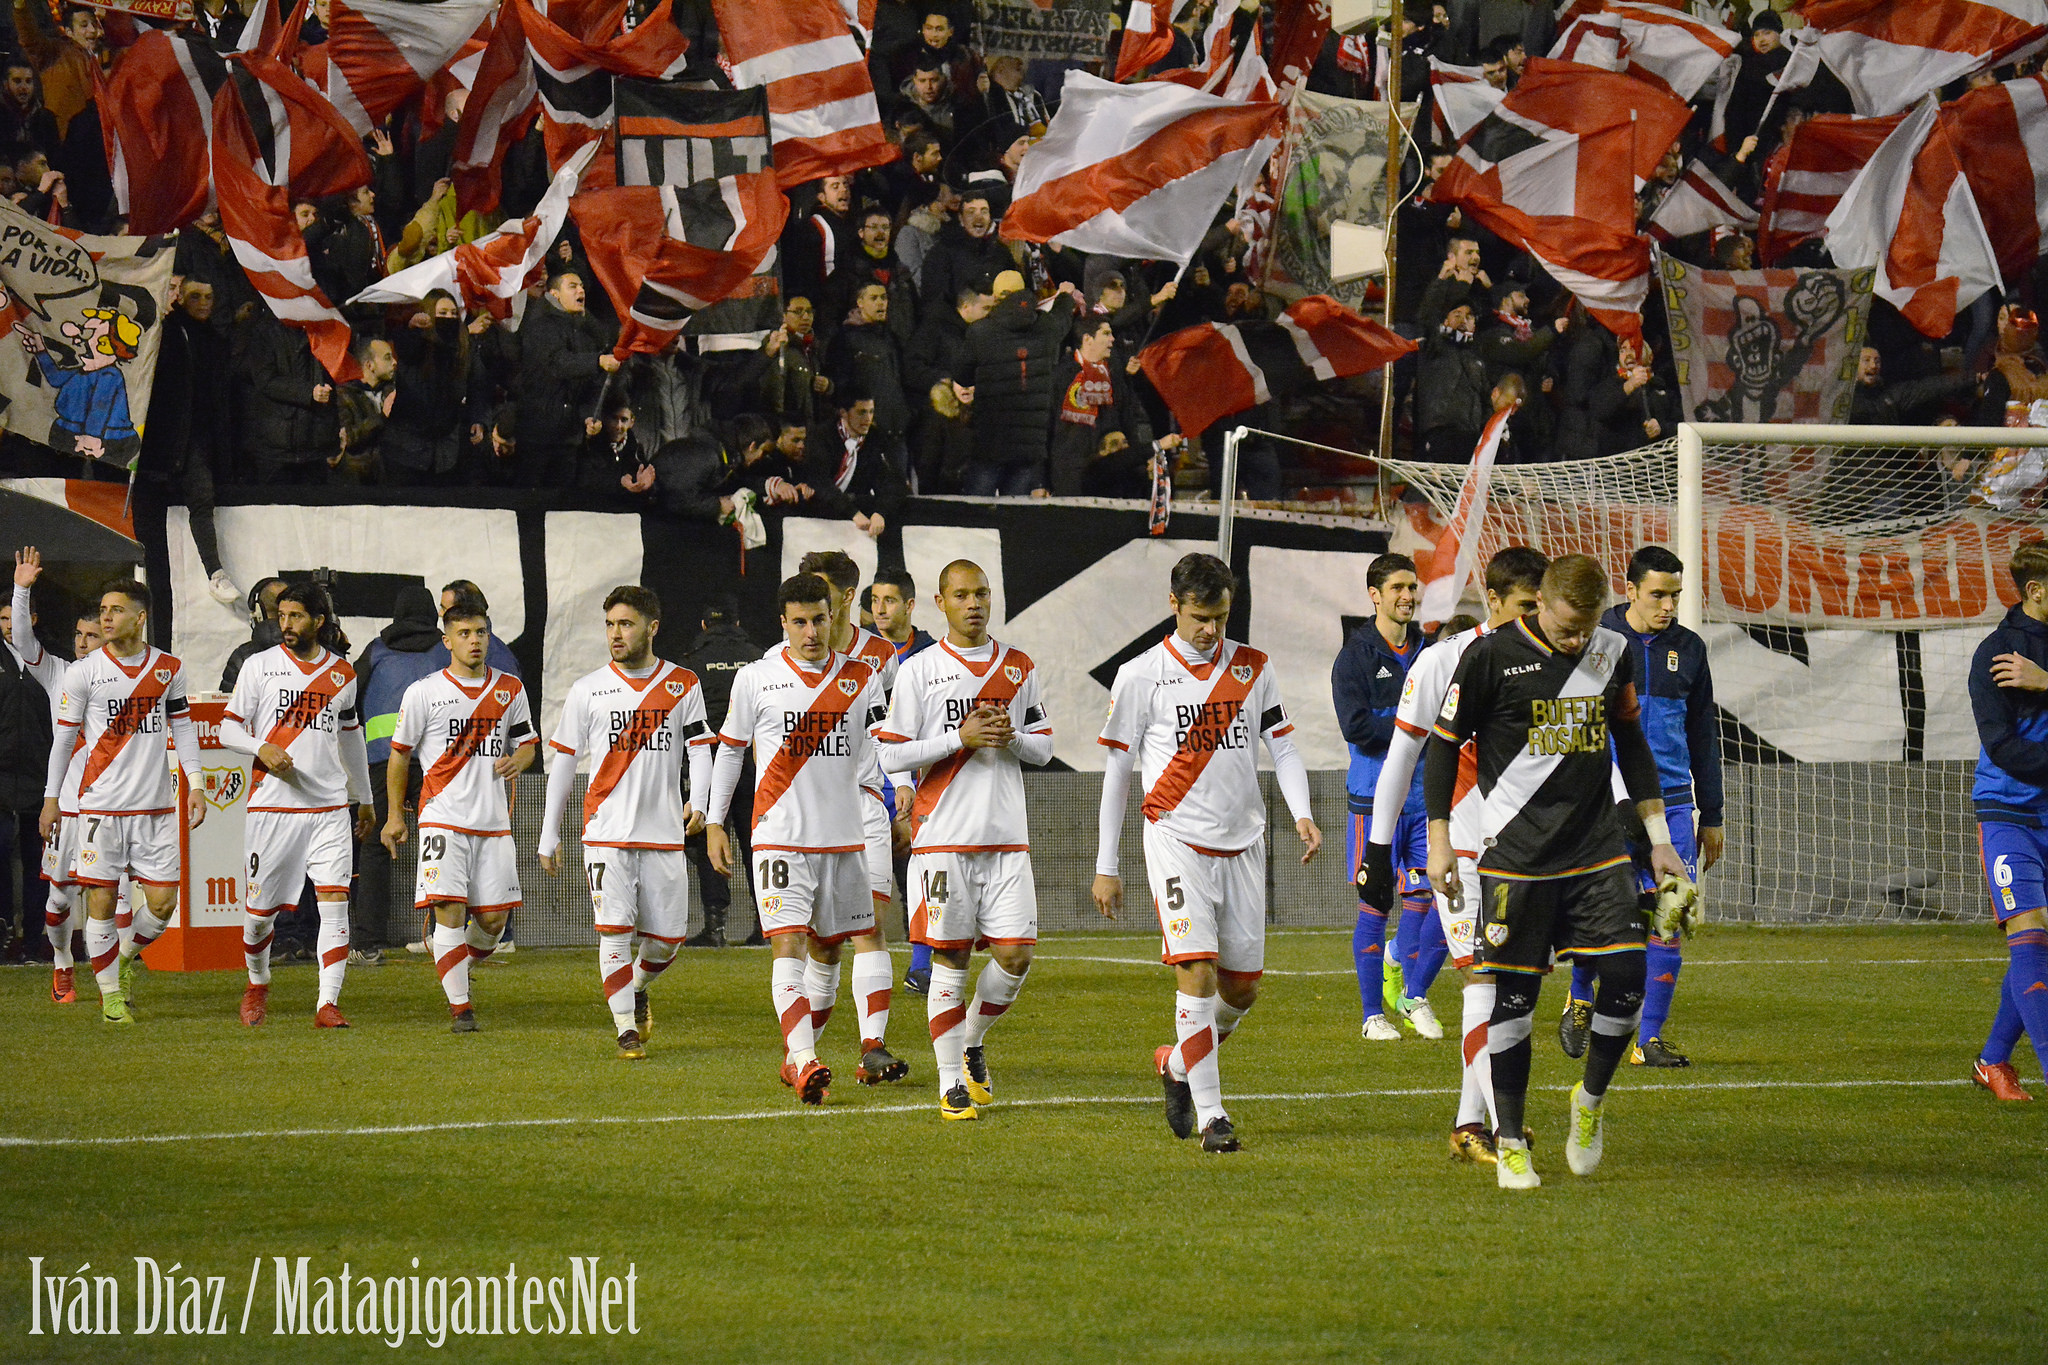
1450,711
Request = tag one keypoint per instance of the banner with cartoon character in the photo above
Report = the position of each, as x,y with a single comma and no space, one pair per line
1765,345
87,315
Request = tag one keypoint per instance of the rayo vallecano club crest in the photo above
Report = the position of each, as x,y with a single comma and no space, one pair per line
503,698
1014,674
1241,672
849,686
223,786
337,677
163,675
674,686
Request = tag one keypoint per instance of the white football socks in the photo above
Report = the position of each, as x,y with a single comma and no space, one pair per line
872,974
333,946
1194,1022
793,1008
945,1008
451,960
821,984
994,992
615,970
1475,1082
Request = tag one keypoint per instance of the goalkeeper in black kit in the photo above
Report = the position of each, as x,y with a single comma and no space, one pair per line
1540,699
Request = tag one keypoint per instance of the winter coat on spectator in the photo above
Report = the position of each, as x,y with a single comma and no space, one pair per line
914,241
423,435
1016,353
1451,396
67,71
400,656
937,352
1088,412
1620,415
668,395
957,260
942,440
360,411
691,475
33,126
866,354
860,270
189,411
559,375
1580,363
283,427
203,255
348,254
814,246
866,479
1910,402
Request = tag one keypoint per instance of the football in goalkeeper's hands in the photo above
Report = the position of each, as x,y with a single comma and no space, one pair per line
1678,906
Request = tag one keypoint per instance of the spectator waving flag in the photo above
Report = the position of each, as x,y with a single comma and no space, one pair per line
1215,370
574,61
1808,176
1699,202
1912,216
821,100
1138,170
275,138
1148,35
1664,47
157,126
1889,53
1459,98
1554,171
490,274
2005,129
503,102
380,53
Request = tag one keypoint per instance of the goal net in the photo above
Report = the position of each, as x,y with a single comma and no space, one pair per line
1848,574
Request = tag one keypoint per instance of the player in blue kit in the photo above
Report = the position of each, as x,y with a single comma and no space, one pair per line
1365,684
2009,699
1677,694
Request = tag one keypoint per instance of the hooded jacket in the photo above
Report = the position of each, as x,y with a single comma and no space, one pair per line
2011,787
402,654
1014,356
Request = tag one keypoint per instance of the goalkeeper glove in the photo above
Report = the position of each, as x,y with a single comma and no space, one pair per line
1376,877
1678,907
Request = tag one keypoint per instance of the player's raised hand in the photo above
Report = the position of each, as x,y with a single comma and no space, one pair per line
394,834
1108,893
718,849
28,567
2017,670
1311,837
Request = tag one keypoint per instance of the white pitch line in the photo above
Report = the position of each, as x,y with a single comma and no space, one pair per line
1690,962
1049,1102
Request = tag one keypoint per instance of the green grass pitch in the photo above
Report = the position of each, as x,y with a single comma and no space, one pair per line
1820,1186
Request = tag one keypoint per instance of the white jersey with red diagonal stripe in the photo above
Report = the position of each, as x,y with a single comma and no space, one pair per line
871,649
813,752
302,708
1422,696
636,731
124,711
971,801
457,729
1195,729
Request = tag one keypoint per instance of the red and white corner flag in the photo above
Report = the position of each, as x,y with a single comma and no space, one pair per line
489,275
1441,594
1138,170
1911,215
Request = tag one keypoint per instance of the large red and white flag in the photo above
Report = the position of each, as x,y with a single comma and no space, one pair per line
1891,52
1215,370
156,123
2004,129
821,100
380,53
1911,215
1651,43
503,102
1455,563
1554,170
490,275
1139,170
1699,202
1808,176
663,252
577,48
276,138
1148,35
1460,98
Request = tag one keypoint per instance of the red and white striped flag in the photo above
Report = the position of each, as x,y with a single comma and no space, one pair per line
1554,170
1148,35
1699,202
1442,592
821,100
2005,130
274,137
380,53
1215,370
503,102
1912,216
1138,170
1808,176
1460,98
490,274
156,123
1667,48
1891,52
576,52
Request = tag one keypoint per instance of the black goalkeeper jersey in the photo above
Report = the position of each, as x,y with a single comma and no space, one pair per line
1542,721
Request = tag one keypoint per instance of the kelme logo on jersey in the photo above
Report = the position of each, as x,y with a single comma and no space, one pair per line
1014,674
163,675
1241,672
674,686
223,786
849,686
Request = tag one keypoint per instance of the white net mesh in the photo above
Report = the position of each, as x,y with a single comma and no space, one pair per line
1847,586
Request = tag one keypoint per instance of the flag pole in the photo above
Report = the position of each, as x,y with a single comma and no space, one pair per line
1394,159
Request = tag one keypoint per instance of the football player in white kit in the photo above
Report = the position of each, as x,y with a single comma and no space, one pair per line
294,712
472,728
967,715
127,701
809,712
1190,712
1512,578
636,719
63,909
872,973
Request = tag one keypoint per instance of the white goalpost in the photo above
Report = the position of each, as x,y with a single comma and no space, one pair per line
1842,578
